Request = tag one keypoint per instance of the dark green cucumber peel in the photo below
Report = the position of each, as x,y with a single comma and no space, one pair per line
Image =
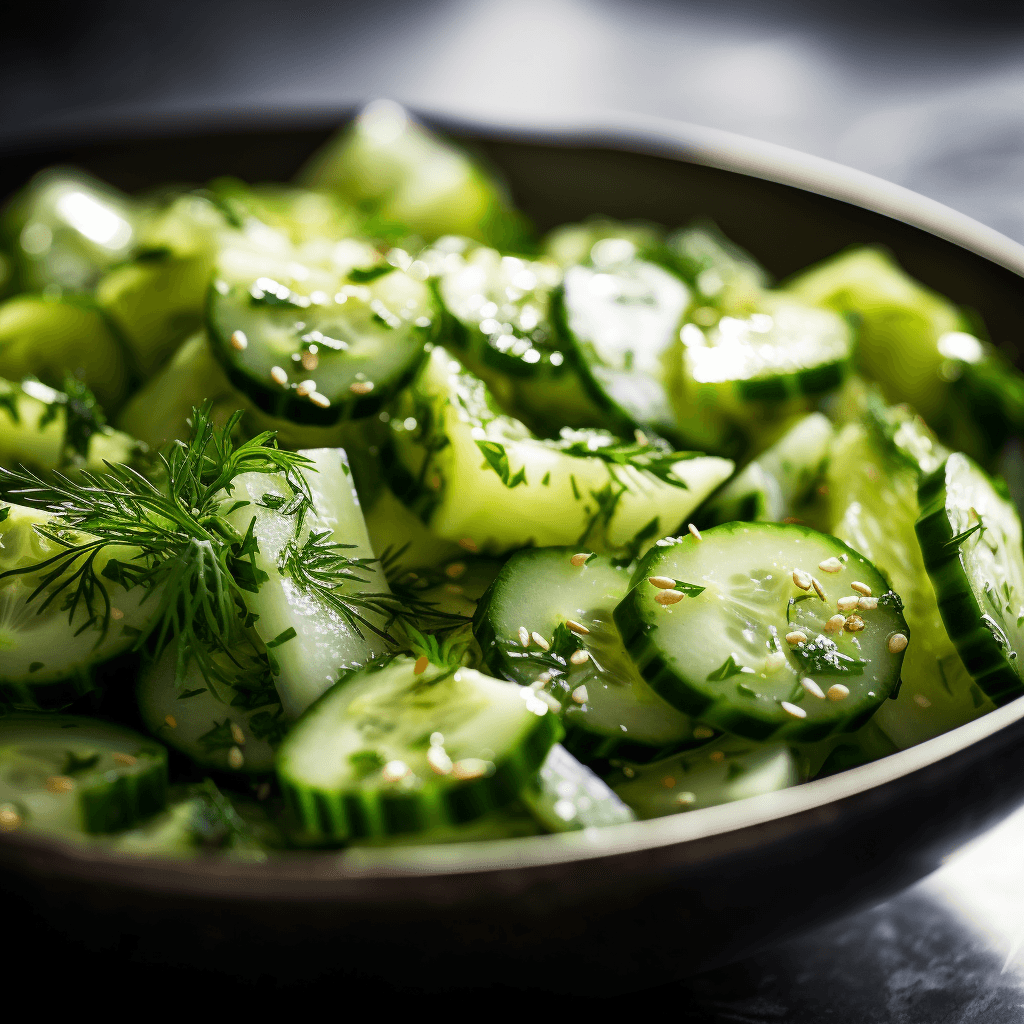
989,654
734,696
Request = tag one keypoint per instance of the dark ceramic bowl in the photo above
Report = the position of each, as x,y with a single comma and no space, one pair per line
597,911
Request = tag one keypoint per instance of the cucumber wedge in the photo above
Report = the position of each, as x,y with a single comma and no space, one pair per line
65,776
971,542
390,751
482,479
755,629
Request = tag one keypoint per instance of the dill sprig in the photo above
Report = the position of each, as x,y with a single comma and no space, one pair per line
193,564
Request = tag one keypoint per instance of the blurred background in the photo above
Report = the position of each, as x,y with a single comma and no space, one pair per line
927,93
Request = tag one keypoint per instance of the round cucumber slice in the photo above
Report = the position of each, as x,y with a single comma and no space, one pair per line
971,542
313,346
390,750
609,710
68,775
733,630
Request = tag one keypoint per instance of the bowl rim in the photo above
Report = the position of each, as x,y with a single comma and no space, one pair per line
633,133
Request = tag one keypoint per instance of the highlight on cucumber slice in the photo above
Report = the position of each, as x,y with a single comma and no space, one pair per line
874,469
597,237
389,750
773,485
47,649
971,542
608,708
317,346
566,796
717,773
482,479
743,628
227,727
325,605
67,775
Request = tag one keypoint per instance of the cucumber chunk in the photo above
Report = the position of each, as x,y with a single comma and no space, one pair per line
874,470
567,796
67,775
971,542
720,652
390,751
609,710
236,728
314,627
572,244
47,648
482,479
717,773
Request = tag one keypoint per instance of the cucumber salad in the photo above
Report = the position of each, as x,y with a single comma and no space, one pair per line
356,511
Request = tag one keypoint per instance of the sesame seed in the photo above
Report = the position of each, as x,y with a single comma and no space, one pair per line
668,597
580,558
580,695
524,637
439,761
305,387
835,624
662,582
853,624
263,791
116,614
897,642
847,604
577,627
831,565
717,755
579,657
628,772
310,361
437,739
686,799
861,588
542,680
60,784
171,721
454,588
812,688
455,570
540,641
320,400
468,544
361,387
793,709
838,692
421,665
236,759
702,732
818,588
552,702
774,661
279,376
471,768
239,342
867,604
796,637
393,771
668,782
10,819
694,532
802,579
237,735
922,701
126,759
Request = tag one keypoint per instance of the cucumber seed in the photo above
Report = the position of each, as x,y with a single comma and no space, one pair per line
812,688
540,641
236,759
237,735
239,342
361,387
861,588
922,701
702,732
421,665
59,784
717,755
10,819
579,657
580,695
835,624
455,570
802,579
279,376
831,565
468,544
577,627
668,782
322,401
774,661
471,768
793,709
867,604
694,532
686,799
305,387
439,761
394,771
847,604
126,759
838,692
853,624
662,582
524,637
580,558
796,637
897,642
818,588
171,721
667,597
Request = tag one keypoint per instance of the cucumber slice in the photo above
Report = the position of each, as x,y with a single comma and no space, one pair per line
720,651
872,481
47,649
609,710
66,775
50,339
482,479
236,728
66,227
307,346
717,773
510,822
388,164
389,751
971,542
772,486
598,238
566,796
313,626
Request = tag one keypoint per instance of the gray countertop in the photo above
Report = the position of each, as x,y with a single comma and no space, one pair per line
925,95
